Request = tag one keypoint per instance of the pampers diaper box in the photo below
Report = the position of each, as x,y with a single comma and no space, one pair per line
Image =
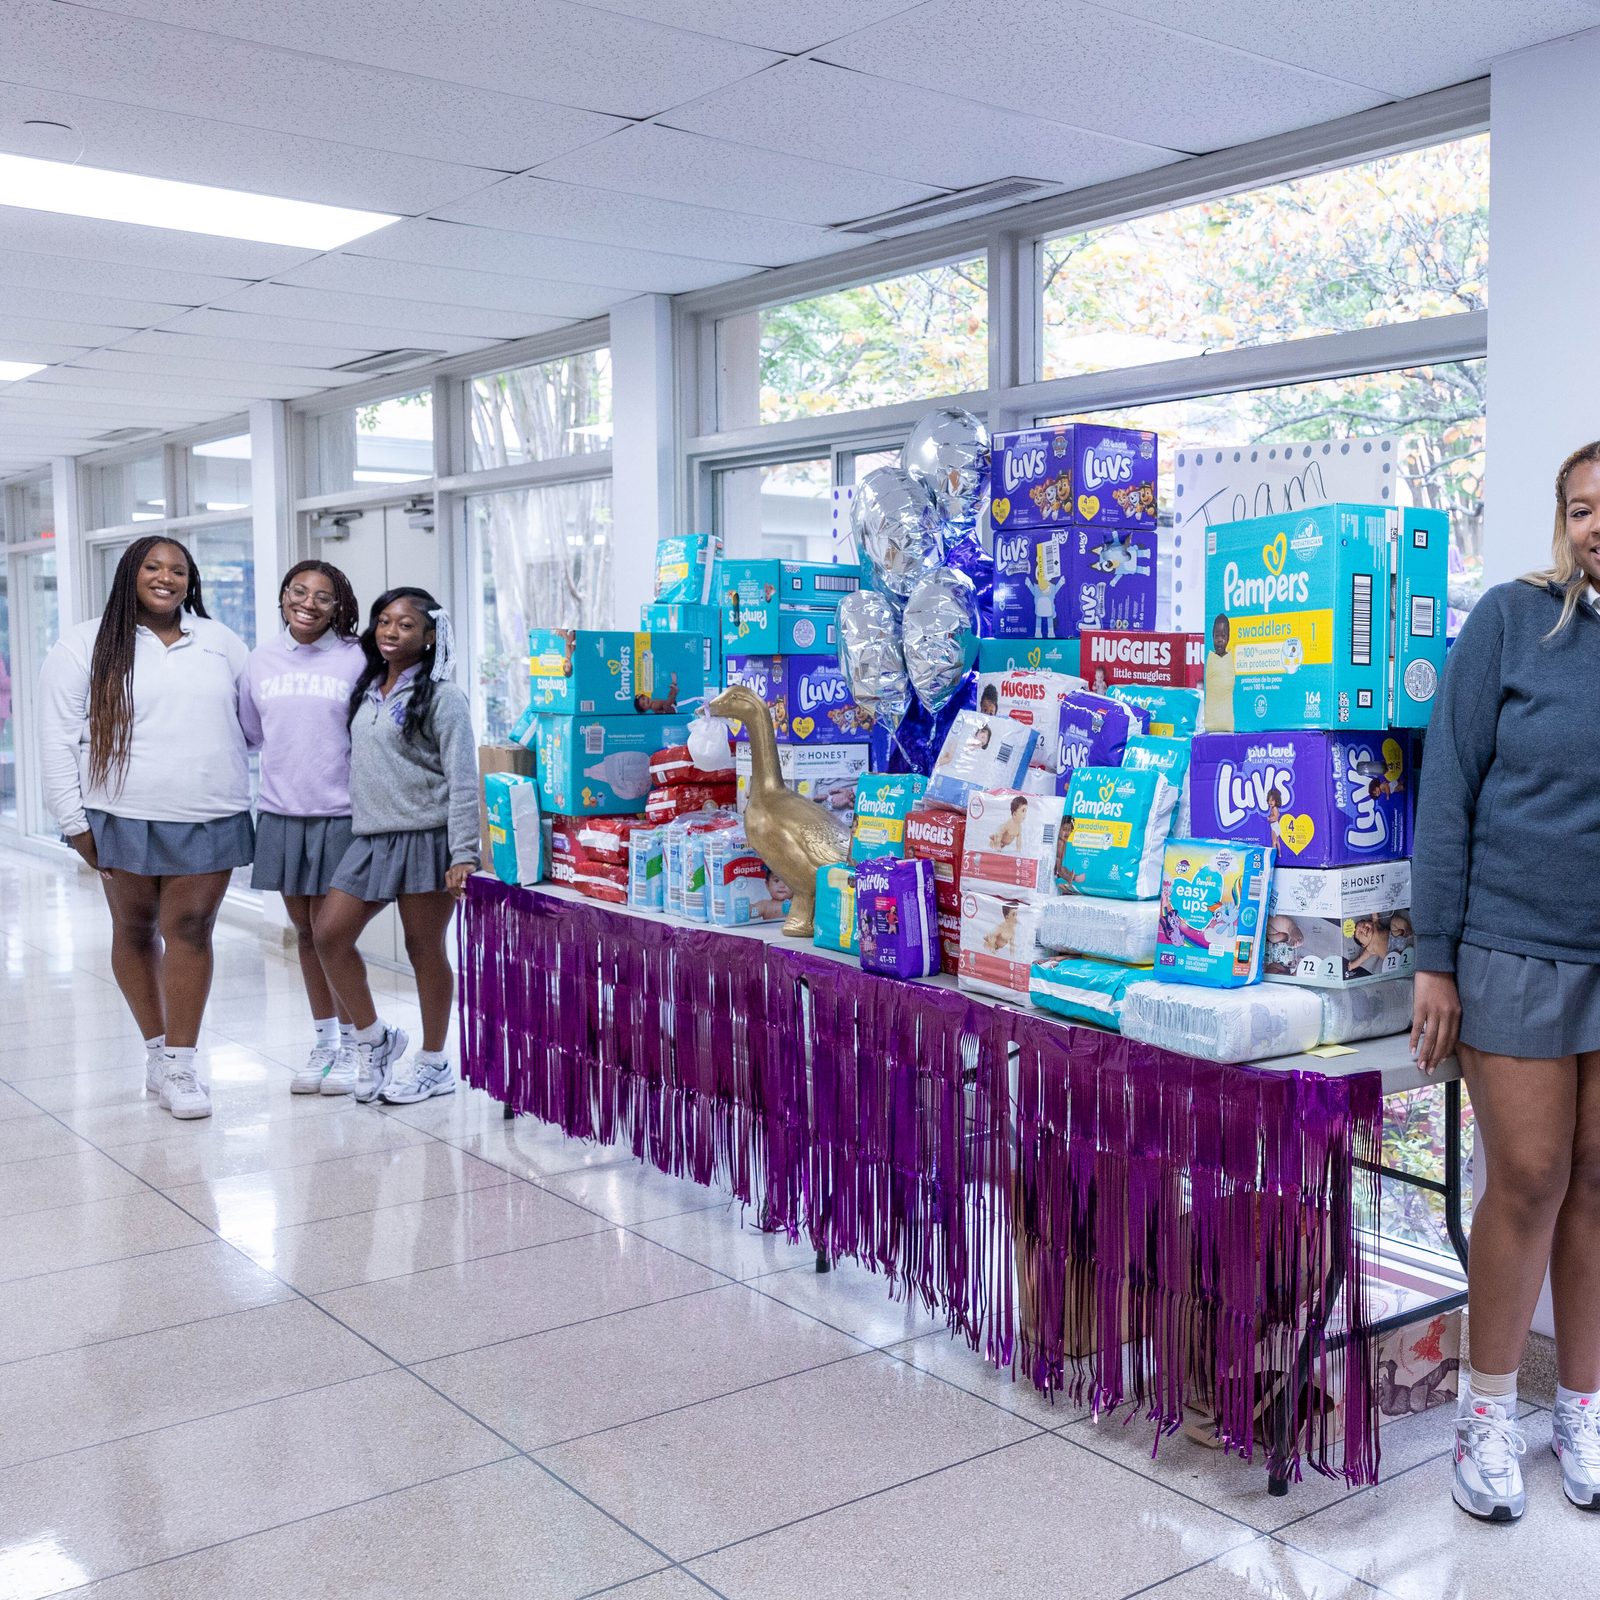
1322,799
599,766
1306,597
1080,472
782,607
1213,908
1033,589
516,838
834,927
883,803
810,701
1419,542
1113,578
603,672
1329,927
1039,655
705,622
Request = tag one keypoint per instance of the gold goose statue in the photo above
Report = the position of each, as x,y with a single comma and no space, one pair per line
793,835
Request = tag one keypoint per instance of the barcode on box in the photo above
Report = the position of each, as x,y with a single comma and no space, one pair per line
836,582
1423,612
1361,620
594,740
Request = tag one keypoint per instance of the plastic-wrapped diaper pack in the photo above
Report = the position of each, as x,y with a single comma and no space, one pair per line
999,944
647,875
1230,1025
1114,832
1082,990
1213,910
897,919
883,802
1094,729
1170,757
1031,697
1169,713
980,752
1012,842
740,887
516,832
834,927
1112,930
1371,1011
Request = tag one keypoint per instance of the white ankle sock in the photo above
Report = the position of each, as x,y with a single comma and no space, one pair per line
156,1043
347,1034
178,1057
431,1058
372,1035
327,1032
1578,1397
1501,1387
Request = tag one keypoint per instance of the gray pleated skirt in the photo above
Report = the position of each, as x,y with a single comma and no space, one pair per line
1527,1006
172,849
384,866
298,855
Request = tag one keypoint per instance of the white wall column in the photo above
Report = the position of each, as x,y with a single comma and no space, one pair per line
271,507
642,448
72,598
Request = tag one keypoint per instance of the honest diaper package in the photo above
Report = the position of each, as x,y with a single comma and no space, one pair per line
1372,1011
1323,799
1114,831
516,838
834,926
1169,713
1094,728
1233,1025
1082,990
999,944
883,802
647,869
1034,698
897,920
1333,926
1111,930
1012,843
980,752
1213,906
1170,757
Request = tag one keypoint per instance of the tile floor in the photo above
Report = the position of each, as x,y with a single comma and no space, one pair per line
320,1349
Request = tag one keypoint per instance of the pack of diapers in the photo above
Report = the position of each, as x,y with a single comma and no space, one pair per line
939,836
1372,1011
1012,843
647,869
1034,698
1111,930
1169,757
999,944
1169,713
980,752
1114,831
1082,990
1213,908
740,887
897,921
516,832
684,565
883,802
1229,1025
834,927
1334,926
1094,728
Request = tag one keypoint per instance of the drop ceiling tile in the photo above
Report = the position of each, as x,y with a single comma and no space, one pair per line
144,364
56,399
64,305
1401,49
131,244
21,269
810,109
603,216
406,280
1122,76
193,346
228,326
44,354
684,167
551,49
75,50
326,305
787,25
454,244
157,385
48,331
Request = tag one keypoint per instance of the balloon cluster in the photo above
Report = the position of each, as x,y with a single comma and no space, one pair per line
907,642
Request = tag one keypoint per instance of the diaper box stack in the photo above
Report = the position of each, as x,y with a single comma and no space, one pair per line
782,607
598,766
810,701
703,621
1078,473
604,672
826,773
1036,655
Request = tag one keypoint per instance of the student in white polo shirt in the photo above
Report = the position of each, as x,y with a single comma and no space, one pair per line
145,771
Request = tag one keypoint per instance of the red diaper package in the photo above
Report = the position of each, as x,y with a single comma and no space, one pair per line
674,766
605,838
598,883
939,836
949,934
668,804
562,868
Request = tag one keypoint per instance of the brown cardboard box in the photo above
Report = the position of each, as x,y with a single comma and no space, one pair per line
497,758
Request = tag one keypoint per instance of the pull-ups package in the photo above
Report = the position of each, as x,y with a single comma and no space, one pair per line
1110,930
647,869
1148,752
1034,698
999,944
1082,990
1168,713
897,921
1333,926
1114,832
978,753
1230,1025
1094,730
834,925
516,838
684,567
1012,844
883,802
1373,1011
1213,906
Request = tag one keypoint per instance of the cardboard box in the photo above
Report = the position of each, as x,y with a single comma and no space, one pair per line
1078,472
516,836
1110,657
1113,578
782,607
601,672
810,701
669,616
515,758
1420,546
824,773
1329,927
1039,655
599,766
1033,591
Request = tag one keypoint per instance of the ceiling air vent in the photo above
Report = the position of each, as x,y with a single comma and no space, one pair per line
949,207
125,435
388,360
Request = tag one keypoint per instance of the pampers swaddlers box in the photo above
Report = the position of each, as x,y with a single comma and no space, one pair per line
1323,799
1306,596
1213,908
1033,593
1041,655
1079,472
883,802
1419,542
1115,828
897,921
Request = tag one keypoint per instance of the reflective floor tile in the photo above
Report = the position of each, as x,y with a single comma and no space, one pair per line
853,1300
954,1360
13,1104
101,1230
632,1192
28,1138
536,1150
1264,1570
255,1102
726,1239
64,1180
676,1583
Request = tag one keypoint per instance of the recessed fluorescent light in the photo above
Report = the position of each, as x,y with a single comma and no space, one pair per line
10,371
189,207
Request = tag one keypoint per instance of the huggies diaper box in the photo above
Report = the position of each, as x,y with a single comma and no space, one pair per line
575,672
1114,578
883,802
1033,698
599,765
782,607
1213,906
1169,660
1038,655
810,701
936,835
1322,799
897,927
1012,843
1332,926
1080,472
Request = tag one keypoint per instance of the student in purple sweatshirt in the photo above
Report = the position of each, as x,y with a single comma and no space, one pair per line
293,705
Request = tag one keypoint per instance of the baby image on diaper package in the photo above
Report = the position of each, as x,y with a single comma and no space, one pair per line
1213,906
1329,927
1033,698
980,752
1114,832
999,944
1012,843
883,802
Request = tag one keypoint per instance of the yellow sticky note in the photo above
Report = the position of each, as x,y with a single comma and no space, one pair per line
1328,1051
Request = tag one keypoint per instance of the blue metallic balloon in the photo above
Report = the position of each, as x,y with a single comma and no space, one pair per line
948,454
966,554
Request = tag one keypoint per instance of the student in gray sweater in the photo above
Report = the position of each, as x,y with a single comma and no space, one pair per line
414,815
1506,903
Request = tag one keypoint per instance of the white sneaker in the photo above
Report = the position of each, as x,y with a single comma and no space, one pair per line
426,1079
1576,1442
308,1080
375,1064
184,1095
1488,1475
341,1076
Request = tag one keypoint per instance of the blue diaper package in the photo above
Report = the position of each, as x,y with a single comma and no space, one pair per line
1038,655
834,924
516,837
1170,757
1169,713
883,802
684,565
1214,899
1033,590
1114,832
647,869
1094,730
1082,990
1081,472
1112,576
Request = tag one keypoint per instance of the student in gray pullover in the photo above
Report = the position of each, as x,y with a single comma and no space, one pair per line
414,814
1506,905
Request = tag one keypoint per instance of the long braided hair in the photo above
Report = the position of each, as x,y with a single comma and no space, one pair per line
346,623
111,665
422,685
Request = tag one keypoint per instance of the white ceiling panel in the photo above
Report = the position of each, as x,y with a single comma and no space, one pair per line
43,354
356,310
1401,49
787,25
455,244
47,331
94,52
63,305
1122,76
603,216
20,269
547,48
260,352
239,329
684,167
95,416
161,385
407,280
810,109
142,363
133,245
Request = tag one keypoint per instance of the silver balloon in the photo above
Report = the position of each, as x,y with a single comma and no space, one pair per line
948,454
870,656
896,528
940,634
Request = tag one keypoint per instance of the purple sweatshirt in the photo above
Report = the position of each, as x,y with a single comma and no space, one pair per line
293,705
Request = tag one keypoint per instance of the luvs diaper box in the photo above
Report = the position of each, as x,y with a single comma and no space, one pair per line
1033,590
1213,905
810,701
1322,799
1332,926
1079,472
1113,577
782,607
599,766
605,672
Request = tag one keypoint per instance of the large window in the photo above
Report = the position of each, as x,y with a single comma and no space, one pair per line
120,492
9,694
539,413
27,510
365,446
225,555
217,474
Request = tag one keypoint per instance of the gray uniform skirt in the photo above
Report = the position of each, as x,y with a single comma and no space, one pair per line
299,855
384,866
1527,1006
172,849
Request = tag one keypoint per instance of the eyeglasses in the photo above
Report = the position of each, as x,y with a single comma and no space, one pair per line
317,599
